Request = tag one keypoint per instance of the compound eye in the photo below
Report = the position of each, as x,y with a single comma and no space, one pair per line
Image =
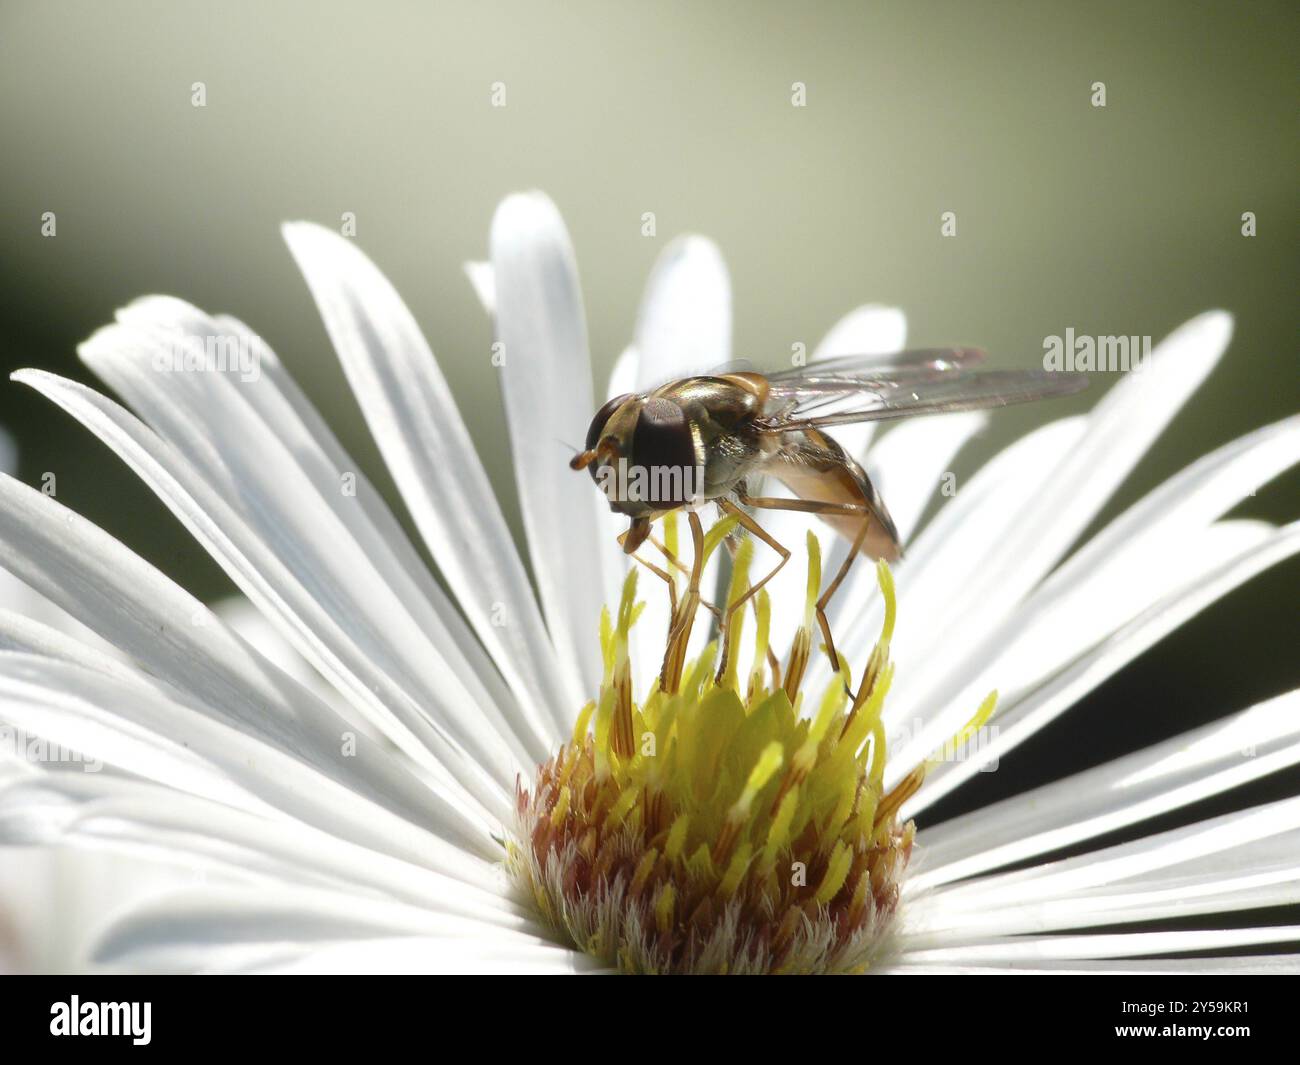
597,428
602,416
664,444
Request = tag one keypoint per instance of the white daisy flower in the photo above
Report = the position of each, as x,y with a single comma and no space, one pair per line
487,779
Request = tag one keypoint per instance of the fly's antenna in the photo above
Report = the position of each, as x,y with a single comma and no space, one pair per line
607,448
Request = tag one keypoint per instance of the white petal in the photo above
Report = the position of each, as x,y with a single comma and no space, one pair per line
1250,882
908,461
256,629
179,642
255,449
1203,845
1255,964
871,329
1192,497
948,551
609,526
484,282
103,811
1046,635
906,466
1120,429
429,956
212,929
546,384
169,633
21,633
622,378
1055,949
414,420
1006,529
376,529
1016,723
268,457
684,325
1146,553
415,714
1052,630
1177,772
137,730
53,898
18,597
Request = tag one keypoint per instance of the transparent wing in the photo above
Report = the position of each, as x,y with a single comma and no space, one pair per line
816,399
847,367
841,368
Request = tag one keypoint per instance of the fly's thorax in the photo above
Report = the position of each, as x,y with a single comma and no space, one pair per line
722,410
728,459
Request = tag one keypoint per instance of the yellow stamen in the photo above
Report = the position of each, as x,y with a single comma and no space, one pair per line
736,628
712,827
801,648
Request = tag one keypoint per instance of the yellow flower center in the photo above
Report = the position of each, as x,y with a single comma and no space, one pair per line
721,829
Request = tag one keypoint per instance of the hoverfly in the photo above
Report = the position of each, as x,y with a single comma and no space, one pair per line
704,439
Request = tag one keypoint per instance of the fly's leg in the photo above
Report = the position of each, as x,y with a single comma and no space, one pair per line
752,527
679,632
773,663
682,568
822,621
679,566
663,576
810,506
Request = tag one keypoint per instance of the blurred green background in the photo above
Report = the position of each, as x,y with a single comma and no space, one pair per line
1117,220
